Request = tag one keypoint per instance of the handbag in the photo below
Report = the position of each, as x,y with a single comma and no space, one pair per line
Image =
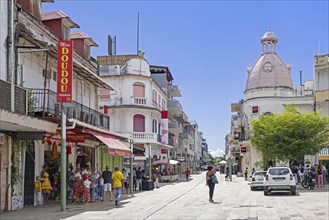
214,179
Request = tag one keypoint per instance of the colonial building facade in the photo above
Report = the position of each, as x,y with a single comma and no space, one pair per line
269,88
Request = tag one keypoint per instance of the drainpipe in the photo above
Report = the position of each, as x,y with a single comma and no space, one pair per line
11,52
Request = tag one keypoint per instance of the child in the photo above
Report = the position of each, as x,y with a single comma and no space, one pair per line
38,189
86,190
101,187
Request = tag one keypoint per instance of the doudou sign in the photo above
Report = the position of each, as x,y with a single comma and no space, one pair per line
64,71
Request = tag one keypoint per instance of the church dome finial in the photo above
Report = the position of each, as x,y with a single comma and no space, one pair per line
269,41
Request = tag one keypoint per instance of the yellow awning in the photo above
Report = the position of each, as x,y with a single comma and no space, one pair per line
323,157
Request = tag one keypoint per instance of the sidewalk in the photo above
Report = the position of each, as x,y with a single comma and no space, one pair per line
52,210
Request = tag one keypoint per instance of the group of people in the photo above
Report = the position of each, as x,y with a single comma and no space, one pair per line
320,172
91,186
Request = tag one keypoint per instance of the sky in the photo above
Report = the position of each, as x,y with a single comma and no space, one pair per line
207,45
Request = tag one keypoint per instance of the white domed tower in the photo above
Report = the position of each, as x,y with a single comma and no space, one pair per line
270,76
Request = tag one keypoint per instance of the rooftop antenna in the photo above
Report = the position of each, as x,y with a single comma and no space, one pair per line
112,45
137,32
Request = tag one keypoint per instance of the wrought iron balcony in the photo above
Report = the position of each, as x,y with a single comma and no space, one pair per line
21,98
44,104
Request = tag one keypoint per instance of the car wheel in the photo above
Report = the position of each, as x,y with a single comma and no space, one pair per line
252,188
265,191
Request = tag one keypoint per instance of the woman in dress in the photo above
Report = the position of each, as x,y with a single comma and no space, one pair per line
209,182
77,192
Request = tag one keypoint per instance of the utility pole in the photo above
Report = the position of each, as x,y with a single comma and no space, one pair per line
131,182
63,159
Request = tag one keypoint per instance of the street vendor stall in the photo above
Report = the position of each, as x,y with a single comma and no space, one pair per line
168,173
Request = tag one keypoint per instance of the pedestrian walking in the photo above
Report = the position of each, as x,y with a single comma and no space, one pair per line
107,176
246,174
139,178
156,178
320,176
210,173
117,184
187,173
125,179
101,188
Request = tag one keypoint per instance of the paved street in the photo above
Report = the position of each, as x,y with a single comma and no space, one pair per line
189,200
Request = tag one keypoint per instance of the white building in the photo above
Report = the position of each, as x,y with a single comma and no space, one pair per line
137,107
268,89
321,88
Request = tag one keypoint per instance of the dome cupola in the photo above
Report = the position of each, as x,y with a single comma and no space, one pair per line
269,71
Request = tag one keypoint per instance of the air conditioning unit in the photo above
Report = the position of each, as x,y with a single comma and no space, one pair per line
118,100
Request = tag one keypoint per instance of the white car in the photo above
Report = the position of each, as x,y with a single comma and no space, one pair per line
279,179
257,180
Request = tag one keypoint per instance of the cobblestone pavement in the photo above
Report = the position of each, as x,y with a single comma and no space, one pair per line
189,200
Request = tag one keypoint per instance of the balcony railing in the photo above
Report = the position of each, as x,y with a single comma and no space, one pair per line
20,105
45,104
174,91
143,137
175,127
138,101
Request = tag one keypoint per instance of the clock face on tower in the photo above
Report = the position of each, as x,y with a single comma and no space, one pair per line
267,67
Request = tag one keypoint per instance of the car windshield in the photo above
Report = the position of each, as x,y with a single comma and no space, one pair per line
279,171
259,173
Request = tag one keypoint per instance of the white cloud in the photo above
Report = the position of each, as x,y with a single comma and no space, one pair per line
217,153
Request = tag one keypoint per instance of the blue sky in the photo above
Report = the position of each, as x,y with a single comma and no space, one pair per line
207,45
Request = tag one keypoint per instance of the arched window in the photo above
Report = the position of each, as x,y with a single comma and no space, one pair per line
139,123
268,113
139,90
159,101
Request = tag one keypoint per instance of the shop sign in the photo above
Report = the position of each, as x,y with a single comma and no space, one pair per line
243,149
75,138
164,127
255,109
164,151
114,152
64,71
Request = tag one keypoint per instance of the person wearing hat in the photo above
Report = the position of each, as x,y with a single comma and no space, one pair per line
107,176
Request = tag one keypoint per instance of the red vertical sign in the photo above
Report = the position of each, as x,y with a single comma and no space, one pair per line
64,71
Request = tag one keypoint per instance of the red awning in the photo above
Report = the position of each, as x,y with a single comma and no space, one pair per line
174,162
160,162
115,146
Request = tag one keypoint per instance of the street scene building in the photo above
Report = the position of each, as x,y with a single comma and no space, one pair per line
117,107
269,88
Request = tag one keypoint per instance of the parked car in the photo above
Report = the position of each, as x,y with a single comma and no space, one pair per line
279,179
257,180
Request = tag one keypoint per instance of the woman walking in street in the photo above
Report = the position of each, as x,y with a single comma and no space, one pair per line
209,182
